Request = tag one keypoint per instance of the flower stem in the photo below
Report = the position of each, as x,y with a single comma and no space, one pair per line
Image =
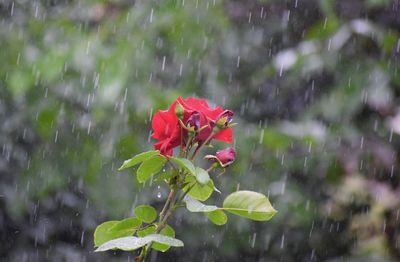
184,194
210,168
201,145
166,212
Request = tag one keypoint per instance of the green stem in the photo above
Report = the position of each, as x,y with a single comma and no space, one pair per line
210,168
189,145
202,144
167,211
166,205
184,194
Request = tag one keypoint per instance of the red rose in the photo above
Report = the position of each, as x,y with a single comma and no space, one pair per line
166,130
197,114
208,116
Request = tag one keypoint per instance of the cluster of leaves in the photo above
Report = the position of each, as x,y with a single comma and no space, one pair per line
196,186
115,230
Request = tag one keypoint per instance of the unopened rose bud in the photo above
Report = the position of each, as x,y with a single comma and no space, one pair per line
193,122
224,119
179,111
224,157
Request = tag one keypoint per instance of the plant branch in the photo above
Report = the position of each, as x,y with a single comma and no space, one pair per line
202,144
185,193
210,168
165,213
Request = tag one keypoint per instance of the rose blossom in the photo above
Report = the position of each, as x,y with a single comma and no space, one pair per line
197,114
208,116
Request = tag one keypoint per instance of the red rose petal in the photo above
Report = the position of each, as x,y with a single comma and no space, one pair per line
224,135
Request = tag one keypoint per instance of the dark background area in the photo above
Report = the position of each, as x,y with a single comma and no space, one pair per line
315,86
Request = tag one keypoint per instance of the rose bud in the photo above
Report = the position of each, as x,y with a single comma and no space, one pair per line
224,157
224,119
193,122
179,111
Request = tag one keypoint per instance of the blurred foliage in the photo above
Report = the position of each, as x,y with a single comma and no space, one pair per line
315,85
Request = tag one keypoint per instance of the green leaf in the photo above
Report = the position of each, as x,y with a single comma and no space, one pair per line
197,191
185,164
218,217
150,167
147,231
103,234
127,225
138,159
166,175
202,176
124,243
194,205
213,213
248,204
146,213
170,241
133,243
166,231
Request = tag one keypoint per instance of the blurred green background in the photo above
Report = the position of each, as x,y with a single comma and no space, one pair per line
315,86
